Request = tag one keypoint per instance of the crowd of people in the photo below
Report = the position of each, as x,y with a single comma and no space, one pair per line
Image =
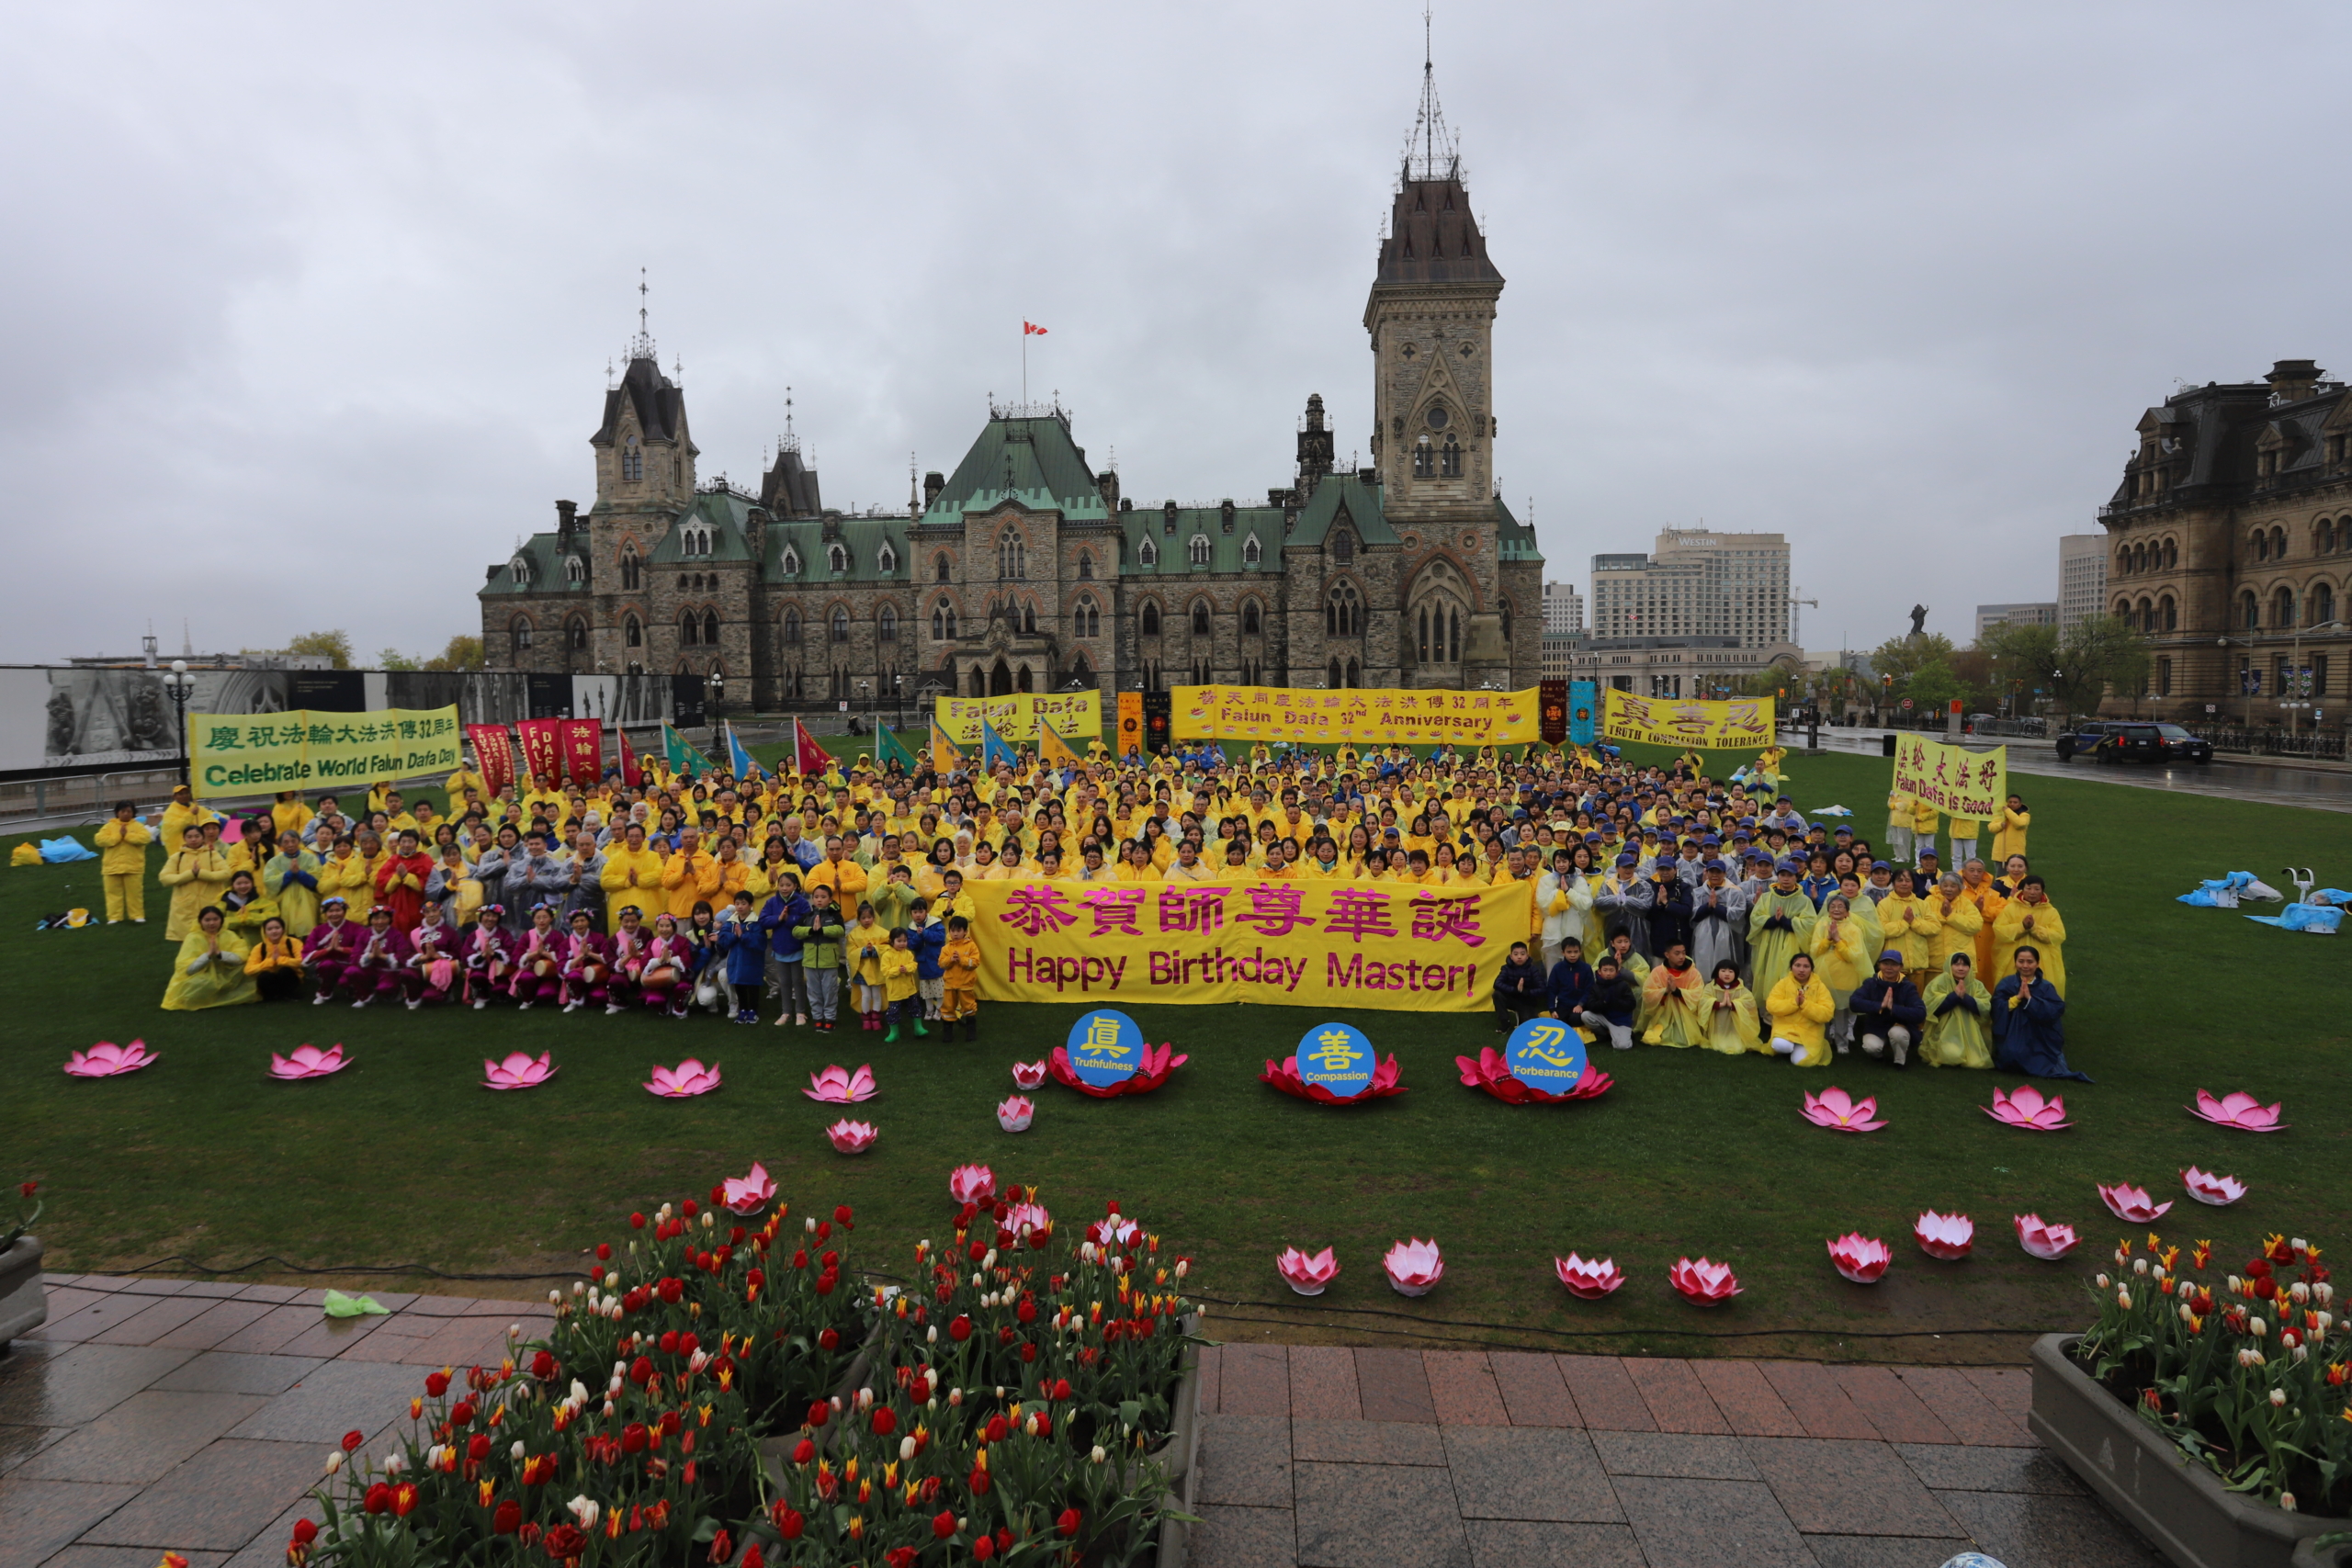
1666,908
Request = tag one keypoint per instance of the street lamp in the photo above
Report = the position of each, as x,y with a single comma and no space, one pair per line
718,690
179,685
2296,675
2246,679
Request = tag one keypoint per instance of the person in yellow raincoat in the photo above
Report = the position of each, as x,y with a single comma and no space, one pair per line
960,968
1840,947
1801,1009
863,946
1959,922
123,867
632,877
2030,920
275,963
1730,1009
1898,826
2008,829
288,814
211,969
898,987
1907,924
196,873
1924,817
1976,887
1960,1011
181,815
1672,1000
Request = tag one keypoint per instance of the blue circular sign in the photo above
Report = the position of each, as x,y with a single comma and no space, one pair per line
1545,1054
1338,1056
1105,1048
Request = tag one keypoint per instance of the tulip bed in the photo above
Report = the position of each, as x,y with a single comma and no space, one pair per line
400,1158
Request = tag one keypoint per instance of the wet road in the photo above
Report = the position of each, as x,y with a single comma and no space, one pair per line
2232,779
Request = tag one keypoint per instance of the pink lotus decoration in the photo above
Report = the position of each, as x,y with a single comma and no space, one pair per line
839,1085
1158,1061
1588,1279
1029,1223
1029,1075
2206,1187
2048,1242
2026,1109
2240,1110
2133,1203
1115,1231
1841,1112
1307,1276
750,1194
1286,1078
973,1184
1860,1257
1414,1268
106,1060
1014,1114
308,1062
853,1137
520,1070
685,1081
1948,1236
1491,1072
1703,1283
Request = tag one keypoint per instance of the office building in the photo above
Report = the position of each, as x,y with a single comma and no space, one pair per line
2040,613
1563,608
1697,582
2082,576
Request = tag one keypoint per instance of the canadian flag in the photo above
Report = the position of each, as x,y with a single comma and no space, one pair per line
1029,327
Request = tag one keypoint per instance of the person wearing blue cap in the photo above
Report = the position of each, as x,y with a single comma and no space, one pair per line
1778,923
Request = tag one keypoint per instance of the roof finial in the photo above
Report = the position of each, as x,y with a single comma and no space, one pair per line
787,411
914,503
642,348
1429,124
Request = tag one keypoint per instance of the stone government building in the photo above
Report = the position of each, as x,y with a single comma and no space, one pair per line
2230,546
1027,570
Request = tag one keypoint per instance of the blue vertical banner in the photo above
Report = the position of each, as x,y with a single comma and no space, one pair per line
1584,712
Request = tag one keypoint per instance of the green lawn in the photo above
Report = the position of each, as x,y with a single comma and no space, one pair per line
403,1159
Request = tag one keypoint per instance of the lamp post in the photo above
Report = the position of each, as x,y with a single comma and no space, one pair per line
718,690
2246,679
179,686
2296,691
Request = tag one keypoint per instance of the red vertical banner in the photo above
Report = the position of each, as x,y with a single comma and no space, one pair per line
629,772
583,751
493,755
542,749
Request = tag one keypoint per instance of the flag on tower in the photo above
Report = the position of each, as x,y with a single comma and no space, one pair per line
1029,327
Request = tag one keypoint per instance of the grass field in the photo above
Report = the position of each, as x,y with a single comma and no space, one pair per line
401,1158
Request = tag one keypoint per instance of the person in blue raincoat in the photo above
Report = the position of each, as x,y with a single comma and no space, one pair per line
2028,1031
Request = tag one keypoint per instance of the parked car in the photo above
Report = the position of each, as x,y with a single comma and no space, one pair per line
2084,736
2134,740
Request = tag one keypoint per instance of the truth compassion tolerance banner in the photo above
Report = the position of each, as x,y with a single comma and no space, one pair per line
312,749
1361,718
1248,939
1957,782
1073,714
1735,725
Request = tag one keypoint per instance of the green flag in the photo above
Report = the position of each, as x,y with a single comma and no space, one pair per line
682,757
889,749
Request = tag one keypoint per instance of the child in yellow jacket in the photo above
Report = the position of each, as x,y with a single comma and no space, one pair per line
863,947
959,969
123,867
897,965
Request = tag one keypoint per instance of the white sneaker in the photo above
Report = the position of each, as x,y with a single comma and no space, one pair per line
414,1003
523,1007
612,1008
361,1003
320,1000
480,1002
571,1006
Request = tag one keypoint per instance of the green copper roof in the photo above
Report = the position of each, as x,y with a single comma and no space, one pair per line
724,516
543,558
1172,553
1343,494
802,544
1514,540
1031,461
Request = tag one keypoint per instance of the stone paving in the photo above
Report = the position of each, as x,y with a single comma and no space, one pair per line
148,1415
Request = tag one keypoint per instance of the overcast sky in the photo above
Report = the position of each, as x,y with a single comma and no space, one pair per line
310,307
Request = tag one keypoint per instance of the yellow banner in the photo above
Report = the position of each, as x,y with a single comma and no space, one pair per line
1072,715
1673,721
1361,718
316,750
1959,783
1248,939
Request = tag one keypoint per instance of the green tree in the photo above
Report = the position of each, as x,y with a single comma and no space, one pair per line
1932,686
2098,654
1901,656
393,659
464,652
2021,659
336,645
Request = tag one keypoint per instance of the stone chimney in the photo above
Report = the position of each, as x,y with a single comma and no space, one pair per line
933,483
2291,380
565,513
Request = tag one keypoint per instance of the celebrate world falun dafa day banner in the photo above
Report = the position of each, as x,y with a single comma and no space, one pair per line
1248,939
313,749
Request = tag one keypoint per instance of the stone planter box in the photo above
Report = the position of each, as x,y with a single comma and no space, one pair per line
24,1304
2176,1503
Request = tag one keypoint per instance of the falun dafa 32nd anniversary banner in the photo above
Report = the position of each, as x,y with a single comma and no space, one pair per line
1359,717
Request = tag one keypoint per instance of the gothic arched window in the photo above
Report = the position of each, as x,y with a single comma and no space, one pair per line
841,626
710,628
1150,618
1451,465
941,571
1199,550
838,558
1200,617
632,569
1249,624
1012,556
632,633
632,461
690,630
886,625
792,626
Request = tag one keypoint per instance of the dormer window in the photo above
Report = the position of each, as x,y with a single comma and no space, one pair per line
520,568
1251,553
1344,547
693,542
791,562
839,558
886,560
575,570
1147,553
1198,550
632,461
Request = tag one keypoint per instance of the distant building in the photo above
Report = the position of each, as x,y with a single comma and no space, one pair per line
1562,653
1563,608
1680,667
2040,612
2082,576
1697,583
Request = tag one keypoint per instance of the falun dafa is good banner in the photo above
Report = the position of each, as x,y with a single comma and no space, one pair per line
1731,726
1248,939
309,749
1958,783
1359,717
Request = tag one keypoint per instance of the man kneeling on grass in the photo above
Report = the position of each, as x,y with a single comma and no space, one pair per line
1888,1013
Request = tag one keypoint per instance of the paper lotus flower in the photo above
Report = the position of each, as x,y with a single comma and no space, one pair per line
2238,1110
750,1194
973,1184
1860,1257
1286,1078
2049,1242
1029,1075
1158,1061
1841,1112
1029,1223
2026,1109
1414,1268
1588,1279
2129,1202
1948,1236
1113,1229
520,1070
1704,1283
1014,1114
839,1085
853,1137
107,1059
1307,1276
2206,1187
685,1081
1491,1072
308,1062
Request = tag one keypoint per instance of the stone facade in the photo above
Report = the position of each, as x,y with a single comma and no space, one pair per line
1027,570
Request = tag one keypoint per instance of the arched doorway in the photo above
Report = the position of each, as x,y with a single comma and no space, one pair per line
1001,680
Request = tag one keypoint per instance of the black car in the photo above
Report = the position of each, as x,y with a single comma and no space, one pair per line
2138,740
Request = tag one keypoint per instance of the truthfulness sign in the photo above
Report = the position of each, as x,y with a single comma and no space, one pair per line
314,750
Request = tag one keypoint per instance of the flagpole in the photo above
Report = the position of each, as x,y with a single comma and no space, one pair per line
1025,362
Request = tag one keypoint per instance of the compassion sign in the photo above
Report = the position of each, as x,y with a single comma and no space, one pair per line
1672,721
312,749
1248,939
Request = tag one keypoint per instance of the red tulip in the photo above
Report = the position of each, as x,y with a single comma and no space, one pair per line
478,1447
1068,1524
943,1525
788,1521
305,1532
960,1330
633,1438
351,1441
804,1452
564,1543
983,1548
404,1499
885,1421
819,1413
436,1384
692,1208
507,1520
603,1252
845,1217
636,1221
26,1188
378,1498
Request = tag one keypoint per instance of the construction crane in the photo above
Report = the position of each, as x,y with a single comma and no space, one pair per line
1793,602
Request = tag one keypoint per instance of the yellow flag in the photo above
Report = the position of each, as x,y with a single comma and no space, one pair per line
945,757
1052,748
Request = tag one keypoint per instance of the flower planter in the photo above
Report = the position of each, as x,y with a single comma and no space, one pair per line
1178,1452
2179,1504
24,1304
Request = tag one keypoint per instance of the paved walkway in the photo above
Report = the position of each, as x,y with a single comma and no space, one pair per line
155,1414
